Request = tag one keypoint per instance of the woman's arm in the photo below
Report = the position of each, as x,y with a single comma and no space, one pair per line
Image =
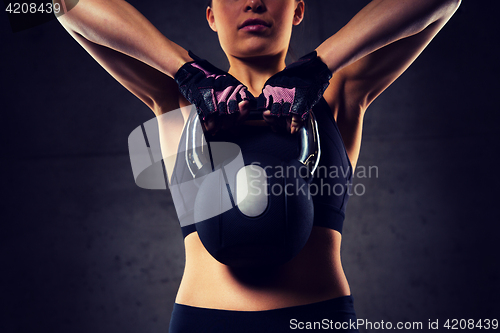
129,47
381,23
372,51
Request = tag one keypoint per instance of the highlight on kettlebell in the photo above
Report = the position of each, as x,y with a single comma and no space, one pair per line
166,153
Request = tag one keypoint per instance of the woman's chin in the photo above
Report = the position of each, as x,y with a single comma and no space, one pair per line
252,50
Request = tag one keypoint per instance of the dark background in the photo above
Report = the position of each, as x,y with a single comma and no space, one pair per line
83,249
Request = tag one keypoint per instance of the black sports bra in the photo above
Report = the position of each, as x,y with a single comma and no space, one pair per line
329,189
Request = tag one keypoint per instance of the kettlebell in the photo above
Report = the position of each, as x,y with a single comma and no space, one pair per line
245,214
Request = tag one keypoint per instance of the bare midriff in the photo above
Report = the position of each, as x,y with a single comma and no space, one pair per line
314,275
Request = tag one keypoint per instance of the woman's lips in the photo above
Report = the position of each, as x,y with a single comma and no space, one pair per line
254,25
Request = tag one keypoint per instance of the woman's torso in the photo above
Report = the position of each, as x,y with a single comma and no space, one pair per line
315,274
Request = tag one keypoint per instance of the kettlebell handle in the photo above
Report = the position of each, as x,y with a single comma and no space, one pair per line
198,150
310,148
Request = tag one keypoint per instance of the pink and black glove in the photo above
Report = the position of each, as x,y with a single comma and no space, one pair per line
211,90
297,88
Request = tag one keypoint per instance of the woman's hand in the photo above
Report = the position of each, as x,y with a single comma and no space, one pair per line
215,93
291,123
215,122
289,95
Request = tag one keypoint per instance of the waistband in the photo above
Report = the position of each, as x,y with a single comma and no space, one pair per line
187,319
343,303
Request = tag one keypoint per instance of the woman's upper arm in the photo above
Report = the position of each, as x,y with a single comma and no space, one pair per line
130,48
381,42
156,89
369,76
354,87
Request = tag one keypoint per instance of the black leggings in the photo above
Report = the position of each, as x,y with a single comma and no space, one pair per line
336,314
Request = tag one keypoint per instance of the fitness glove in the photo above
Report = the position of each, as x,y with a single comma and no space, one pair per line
211,90
297,88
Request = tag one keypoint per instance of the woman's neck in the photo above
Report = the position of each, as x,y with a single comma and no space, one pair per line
254,72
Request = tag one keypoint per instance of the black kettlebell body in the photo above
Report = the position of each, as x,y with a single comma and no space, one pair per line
254,209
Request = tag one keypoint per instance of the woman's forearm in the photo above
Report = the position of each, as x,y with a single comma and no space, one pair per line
380,23
118,25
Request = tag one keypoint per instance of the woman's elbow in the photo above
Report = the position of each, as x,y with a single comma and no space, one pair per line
452,6
445,9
